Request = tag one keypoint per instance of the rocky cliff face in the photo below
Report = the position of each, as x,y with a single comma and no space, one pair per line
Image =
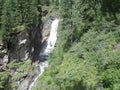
20,50
20,58
28,43
38,40
26,49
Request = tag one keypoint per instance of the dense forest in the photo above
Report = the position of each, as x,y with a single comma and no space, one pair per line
87,52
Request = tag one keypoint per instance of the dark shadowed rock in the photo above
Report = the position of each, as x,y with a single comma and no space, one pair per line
21,46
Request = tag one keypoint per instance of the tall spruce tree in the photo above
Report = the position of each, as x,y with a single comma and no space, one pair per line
7,20
70,13
1,7
17,14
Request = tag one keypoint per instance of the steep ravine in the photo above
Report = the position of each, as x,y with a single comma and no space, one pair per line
47,47
28,57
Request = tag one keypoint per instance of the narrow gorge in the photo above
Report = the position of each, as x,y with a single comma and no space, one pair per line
47,48
59,44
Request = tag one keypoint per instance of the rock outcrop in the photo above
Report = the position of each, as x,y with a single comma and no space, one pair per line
21,43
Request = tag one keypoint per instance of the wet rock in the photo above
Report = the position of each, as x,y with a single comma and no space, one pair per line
24,85
5,60
22,41
46,29
4,51
26,55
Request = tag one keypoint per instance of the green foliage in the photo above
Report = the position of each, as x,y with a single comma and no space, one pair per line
22,68
1,7
20,65
85,65
3,79
85,58
17,15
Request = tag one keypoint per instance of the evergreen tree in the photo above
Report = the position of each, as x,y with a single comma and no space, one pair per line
18,15
26,11
88,36
1,7
7,20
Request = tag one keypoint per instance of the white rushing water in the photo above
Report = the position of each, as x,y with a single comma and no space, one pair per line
47,50
52,39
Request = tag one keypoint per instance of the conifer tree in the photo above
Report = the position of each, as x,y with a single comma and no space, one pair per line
7,20
18,13
1,7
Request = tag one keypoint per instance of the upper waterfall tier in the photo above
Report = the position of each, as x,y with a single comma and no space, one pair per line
49,44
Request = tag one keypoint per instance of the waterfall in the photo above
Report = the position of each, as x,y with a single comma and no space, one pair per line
47,49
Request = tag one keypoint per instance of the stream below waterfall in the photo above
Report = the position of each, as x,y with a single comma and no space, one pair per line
47,48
